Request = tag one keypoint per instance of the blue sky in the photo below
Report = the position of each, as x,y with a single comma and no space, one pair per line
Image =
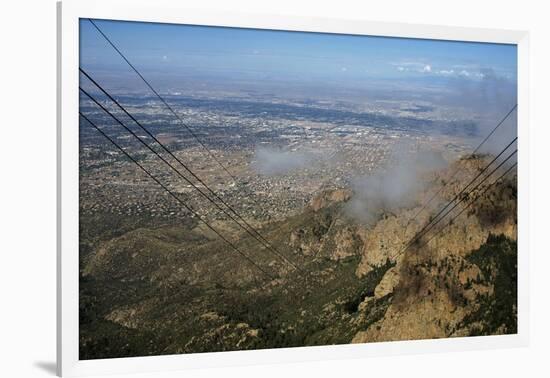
166,49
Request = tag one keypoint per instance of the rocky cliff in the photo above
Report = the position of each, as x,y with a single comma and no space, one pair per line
176,289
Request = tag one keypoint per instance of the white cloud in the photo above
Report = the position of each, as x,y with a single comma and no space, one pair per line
472,72
412,66
269,161
344,69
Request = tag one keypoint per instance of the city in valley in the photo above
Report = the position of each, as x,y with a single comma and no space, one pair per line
281,153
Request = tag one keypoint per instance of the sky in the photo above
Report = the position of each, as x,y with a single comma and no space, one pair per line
233,52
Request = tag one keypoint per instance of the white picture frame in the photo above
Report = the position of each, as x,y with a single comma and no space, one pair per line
69,13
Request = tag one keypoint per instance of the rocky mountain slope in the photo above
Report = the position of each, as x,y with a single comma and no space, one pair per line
176,288
440,286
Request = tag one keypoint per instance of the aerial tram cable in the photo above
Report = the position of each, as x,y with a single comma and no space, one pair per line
458,170
179,200
178,172
457,196
249,228
462,198
470,204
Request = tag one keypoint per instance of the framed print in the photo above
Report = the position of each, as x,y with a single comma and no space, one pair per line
275,189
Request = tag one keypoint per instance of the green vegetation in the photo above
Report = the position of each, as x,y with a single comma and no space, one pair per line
497,313
304,310
367,290
153,288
